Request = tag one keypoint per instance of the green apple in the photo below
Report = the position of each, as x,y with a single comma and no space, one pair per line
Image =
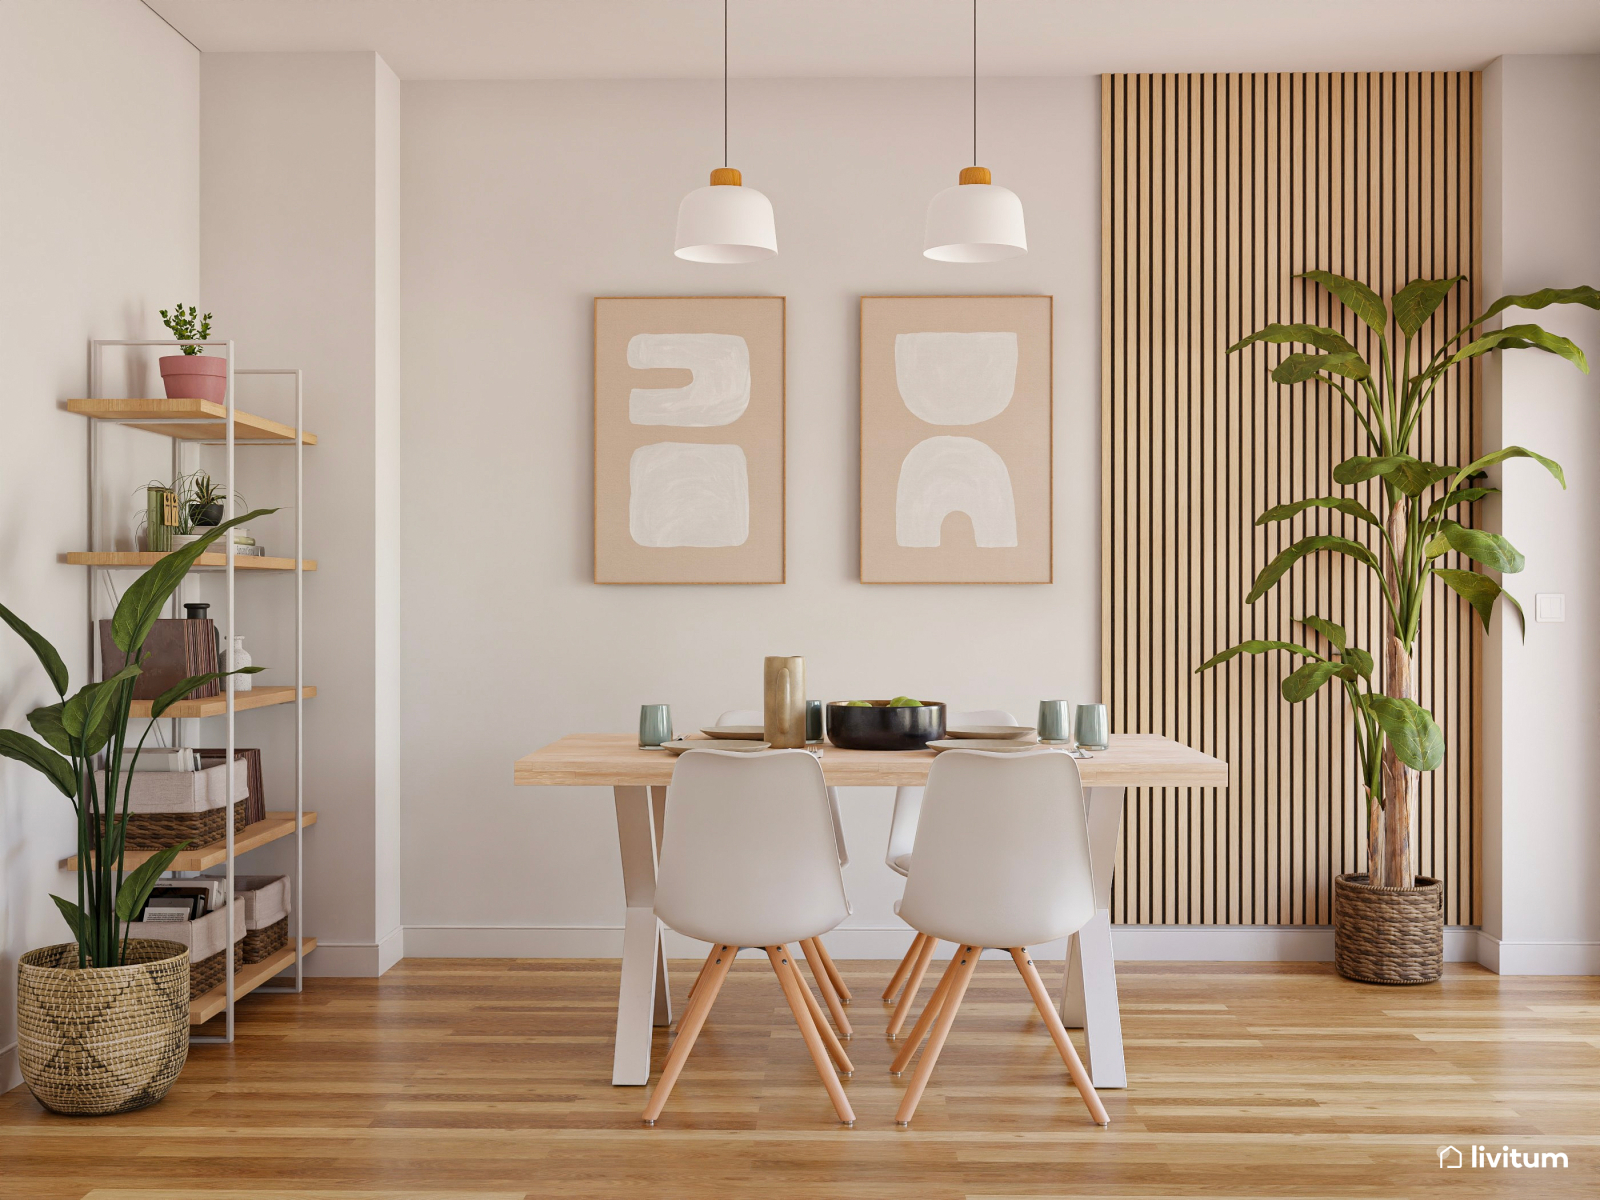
905,702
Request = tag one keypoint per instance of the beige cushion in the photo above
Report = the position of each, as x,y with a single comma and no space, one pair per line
186,791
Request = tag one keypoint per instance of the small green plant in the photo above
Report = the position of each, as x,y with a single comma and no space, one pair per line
197,492
187,326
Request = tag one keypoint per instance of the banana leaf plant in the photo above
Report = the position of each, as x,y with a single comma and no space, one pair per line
1409,506
92,724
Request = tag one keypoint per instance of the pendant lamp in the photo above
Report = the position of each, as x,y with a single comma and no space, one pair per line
726,222
977,220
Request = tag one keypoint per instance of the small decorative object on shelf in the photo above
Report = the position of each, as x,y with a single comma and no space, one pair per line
161,517
239,658
192,375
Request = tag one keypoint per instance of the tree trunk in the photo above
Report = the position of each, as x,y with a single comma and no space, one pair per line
1389,856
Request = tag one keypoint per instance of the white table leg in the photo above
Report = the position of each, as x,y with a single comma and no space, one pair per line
1089,996
643,1000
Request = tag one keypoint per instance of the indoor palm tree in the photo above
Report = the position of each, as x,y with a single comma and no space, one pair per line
1411,508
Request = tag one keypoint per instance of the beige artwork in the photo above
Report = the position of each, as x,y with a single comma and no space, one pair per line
956,480
689,439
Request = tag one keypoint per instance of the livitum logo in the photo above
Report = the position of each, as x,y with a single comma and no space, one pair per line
1480,1157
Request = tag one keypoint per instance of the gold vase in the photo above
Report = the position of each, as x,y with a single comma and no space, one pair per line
784,702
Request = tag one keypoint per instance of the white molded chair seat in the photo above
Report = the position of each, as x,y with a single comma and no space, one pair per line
1001,860
754,716
748,859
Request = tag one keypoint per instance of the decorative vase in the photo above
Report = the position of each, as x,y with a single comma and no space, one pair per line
102,1039
239,658
195,377
1388,935
783,709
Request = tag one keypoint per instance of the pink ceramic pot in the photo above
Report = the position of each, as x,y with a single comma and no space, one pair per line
195,377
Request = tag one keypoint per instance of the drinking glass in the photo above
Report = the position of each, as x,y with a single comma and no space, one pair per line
655,725
1093,727
1055,721
813,720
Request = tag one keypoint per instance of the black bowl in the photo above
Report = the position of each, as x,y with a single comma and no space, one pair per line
883,728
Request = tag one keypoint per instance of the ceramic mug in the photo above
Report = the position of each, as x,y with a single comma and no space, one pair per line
655,725
1093,727
1055,721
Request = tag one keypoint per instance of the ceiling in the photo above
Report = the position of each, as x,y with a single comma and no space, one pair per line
575,39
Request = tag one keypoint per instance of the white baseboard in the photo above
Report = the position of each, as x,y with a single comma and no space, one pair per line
10,1075
1131,943
1538,958
359,960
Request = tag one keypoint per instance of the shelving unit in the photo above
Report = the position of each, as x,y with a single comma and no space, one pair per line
207,423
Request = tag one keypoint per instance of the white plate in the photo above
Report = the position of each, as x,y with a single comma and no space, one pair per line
682,744
994,745
735,733
995,732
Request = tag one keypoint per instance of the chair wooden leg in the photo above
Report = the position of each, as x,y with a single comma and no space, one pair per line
825,985
1058,1033
902,1010
930,1014
833,972
966,959
721,959
834,1045
904,968
789,979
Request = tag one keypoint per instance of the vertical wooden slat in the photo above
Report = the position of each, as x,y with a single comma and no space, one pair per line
1216,190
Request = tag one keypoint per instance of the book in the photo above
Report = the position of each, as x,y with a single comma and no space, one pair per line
174,651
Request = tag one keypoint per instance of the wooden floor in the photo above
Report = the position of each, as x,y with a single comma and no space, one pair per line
488,1078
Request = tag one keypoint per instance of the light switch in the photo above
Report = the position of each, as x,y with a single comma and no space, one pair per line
1549,606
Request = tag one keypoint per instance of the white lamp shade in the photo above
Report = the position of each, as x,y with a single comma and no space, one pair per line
975,222
726,224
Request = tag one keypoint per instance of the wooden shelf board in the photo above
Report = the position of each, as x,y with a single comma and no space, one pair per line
277,825
245,980
207,423
147,558
259,696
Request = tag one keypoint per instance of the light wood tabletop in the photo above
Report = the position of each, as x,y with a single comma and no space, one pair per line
612,759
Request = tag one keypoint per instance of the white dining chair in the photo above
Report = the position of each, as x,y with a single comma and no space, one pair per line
1001,860
902,833
748,859
829,982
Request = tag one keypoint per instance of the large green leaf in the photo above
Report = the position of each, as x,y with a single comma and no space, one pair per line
1543,298
47,724
1273,571
1461,496
1360,467
48,658
1306,681
1255,646
1416,739
1297,368
1415,303
178,691
1357,297
1489,460
86,716
42,759
142,603
1334,633
141,881
1319,336
1481,592
73,915
1410,476
1519,337
1481,546
1359,659
1351,508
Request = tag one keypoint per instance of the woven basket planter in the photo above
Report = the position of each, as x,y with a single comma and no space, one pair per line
157,831
105,1039
1388,935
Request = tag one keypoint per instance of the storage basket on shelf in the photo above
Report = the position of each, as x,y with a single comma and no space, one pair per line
206,939
168,808
265,902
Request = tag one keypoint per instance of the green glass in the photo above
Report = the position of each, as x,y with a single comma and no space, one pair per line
655,725
1093,727
1055,721
813,720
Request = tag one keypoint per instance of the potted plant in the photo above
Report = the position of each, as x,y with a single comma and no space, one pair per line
1388,922
193,374
103,1020
199,506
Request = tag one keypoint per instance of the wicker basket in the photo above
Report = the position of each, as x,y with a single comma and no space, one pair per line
261,944
157,831
1388,935
105,1039
210,972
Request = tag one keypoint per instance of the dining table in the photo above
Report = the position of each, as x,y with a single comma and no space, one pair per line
638,778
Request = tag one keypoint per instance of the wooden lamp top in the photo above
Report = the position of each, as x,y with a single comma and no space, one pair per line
726,177
973,175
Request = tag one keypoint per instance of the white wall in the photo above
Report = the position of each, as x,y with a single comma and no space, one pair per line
300,262
522,202
99,207
1542,696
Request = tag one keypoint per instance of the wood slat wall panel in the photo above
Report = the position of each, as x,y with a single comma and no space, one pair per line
1216,190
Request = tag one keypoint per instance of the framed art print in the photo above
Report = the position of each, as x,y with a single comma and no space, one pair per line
956,478
689,439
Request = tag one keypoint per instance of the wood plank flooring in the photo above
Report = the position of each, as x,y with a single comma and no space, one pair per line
488,1079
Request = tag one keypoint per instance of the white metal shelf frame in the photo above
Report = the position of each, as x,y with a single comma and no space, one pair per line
230,441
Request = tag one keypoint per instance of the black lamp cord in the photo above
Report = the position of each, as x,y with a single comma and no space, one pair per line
974,81
725,82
